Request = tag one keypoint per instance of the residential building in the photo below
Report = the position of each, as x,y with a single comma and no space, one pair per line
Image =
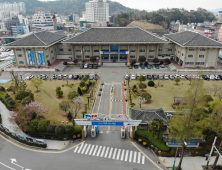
7,9
19,29
43,21
11,22
220,34
219,16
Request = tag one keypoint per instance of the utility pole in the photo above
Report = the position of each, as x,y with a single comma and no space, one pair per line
213,145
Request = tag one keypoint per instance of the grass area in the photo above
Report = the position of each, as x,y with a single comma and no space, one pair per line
162,97
47,96
145,25
2,95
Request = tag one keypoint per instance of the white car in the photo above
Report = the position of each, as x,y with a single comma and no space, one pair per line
126,77
177,76
70,76
166,77
212,77
86,65
182,77
133,77
29,77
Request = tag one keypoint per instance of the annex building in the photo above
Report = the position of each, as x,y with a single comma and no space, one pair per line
189,49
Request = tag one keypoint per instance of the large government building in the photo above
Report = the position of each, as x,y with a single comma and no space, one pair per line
189,49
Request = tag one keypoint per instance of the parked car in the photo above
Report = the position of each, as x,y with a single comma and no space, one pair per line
155,77
54,77
182,77
95,66
44,77
90,66
126,77
216,77
70,77
91,76
86,65
99,94
81,66
171,77
59,77
206,77
135,66
149,77
160,77
29,77
75,77
65,76
130,67
142,66
149,66
211,77
157,66
100,89
133,77
137,75
220,76
87,75
166,77
177,76
80,77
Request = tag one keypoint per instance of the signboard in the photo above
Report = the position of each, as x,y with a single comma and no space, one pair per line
181,143
114,48
117,52
107,122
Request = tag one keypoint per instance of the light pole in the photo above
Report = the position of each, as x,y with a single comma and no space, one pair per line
213,145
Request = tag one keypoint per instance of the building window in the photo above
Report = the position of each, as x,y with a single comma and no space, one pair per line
200,63
178,51
21,62
190,56
47,56
96,51
87,51
52,58
169,49
191,49
61,49
19,55
52,51
160,49
150,56
87,56
142,50
132,56
201,56
78,56
78,51
151,50
69,49
202,49
133,50
18,50
189,63
182,54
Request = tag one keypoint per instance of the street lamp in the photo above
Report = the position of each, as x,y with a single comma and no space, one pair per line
213,145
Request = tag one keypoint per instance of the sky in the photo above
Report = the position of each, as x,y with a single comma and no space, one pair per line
154,5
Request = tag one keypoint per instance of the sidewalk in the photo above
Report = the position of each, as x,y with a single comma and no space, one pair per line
189,163
51,144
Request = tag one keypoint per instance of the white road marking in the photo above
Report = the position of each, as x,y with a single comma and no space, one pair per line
118,154
122,155
91,150
95,150
110,153
7,166
103,151
114,154
80,148
84,148
126,157
130,157
76,149
88,149
143,159
107,151
139,155
99,150
134,158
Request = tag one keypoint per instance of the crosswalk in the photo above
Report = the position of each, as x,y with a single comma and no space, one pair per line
110,153
109,84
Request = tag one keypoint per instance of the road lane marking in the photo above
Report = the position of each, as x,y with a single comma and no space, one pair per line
7,166
99,150
80,148
91,150
103,151
107,151
134,158
130,157
114,154
88,149
139,155
110,153
100,99
84,148
143,159
95,150
118,154
110,106
76,149
122,155
126,157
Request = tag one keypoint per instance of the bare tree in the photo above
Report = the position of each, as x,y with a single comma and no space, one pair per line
15,80
140,100
77,103
67,80
216,88
220,95
209,90
190,78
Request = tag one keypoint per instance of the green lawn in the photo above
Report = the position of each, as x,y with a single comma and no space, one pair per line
47,96
162,97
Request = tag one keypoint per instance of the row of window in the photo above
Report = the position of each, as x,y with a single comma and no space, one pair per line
191,56
143,50
192,63
150,56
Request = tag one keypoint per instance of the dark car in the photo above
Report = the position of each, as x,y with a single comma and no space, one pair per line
157,66
80,77
87,76
54,77
142,66
100,89
99,94
81,66
220,76
155,77
149,77
75,77
160,77
149,66
95,66
136,67
90,66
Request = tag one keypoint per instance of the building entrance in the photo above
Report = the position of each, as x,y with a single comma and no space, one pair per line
114,56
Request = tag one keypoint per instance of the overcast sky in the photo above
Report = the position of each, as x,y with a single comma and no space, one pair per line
158,4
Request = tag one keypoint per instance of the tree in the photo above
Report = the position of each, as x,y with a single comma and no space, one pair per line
64,106
59,92
160,124
167,61
84,79
72,95
156,60
146,96
151,83
142,86
43,124
190,78
15,80
22,85
133,62
132,104
142,59
161,62
26,100
51,128
60,129
153,125
93,59
177,80
34,109
22,94
207,99
216,88
80,91
76,106
82,84
146,64
140,100
36,83
69,128
141,78
75,61
184,124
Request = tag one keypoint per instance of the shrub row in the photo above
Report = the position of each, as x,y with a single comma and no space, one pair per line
0,118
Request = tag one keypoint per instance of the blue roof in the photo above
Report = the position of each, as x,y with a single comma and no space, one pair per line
3,81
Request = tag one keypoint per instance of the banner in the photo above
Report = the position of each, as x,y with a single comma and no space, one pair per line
117,52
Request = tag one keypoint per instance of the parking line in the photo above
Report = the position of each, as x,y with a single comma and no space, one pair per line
139,155
143,159
80,148
88,149
110,154
91,150
126,157
114,154
103,151
130,157
76,149
118,154
95,150
107,151
134,158
99,150
84,148
122,155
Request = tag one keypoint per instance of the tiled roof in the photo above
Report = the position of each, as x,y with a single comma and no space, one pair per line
43,38
148,114
159,32
116,34
190,38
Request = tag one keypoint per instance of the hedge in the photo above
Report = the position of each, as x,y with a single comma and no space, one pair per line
154,141
0,118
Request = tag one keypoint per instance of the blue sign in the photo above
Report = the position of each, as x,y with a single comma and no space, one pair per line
181,143
114,48
108,123
119,52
